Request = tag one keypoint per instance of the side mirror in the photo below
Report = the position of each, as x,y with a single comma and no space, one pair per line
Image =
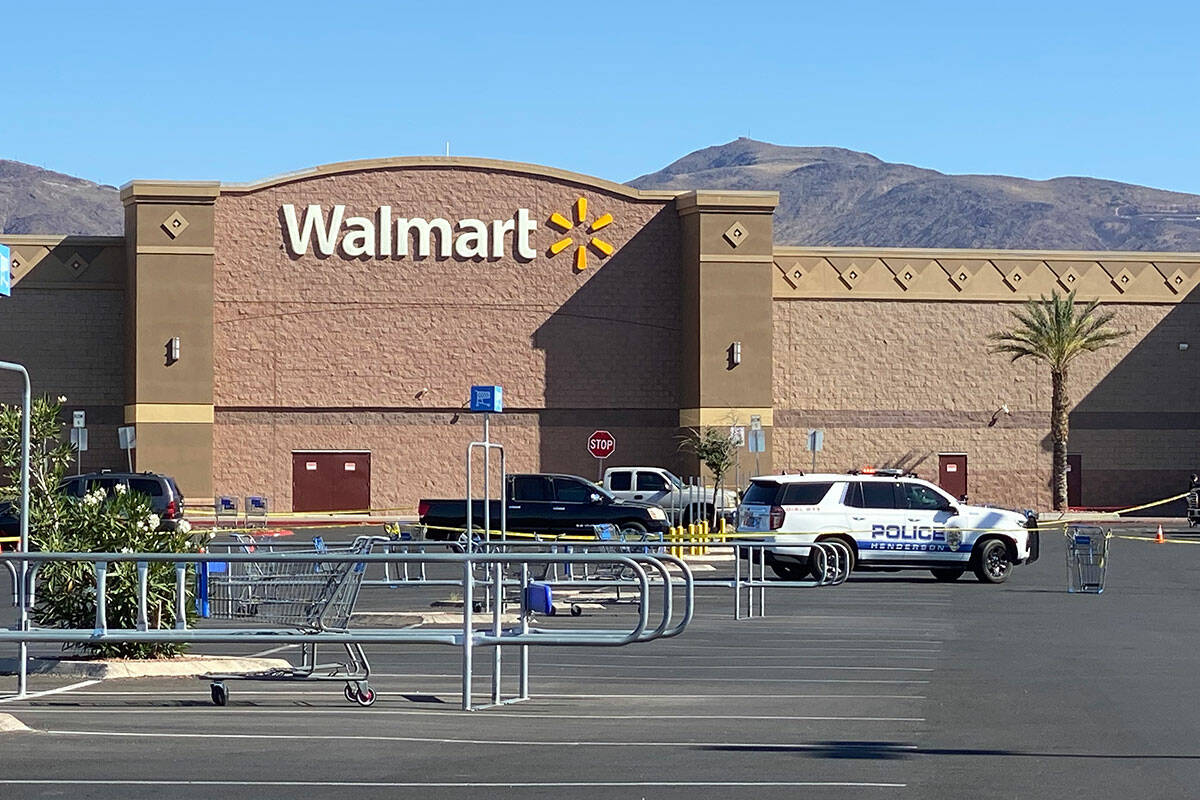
951,509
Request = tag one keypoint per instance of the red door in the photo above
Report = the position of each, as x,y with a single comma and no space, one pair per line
1074,480
952,473
325,481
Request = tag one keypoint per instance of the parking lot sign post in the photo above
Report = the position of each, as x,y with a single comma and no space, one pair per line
487,400
601,445
816,440
79,437
127,438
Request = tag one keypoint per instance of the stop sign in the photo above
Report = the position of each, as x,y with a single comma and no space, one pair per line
601,444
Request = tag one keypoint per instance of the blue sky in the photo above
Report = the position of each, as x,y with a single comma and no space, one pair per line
240,91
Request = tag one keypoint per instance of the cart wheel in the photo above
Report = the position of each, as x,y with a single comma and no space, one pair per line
365,696
351,693
220,695
576,610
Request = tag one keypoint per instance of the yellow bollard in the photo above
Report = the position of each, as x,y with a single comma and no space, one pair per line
691,535
704,537
676,535
723,531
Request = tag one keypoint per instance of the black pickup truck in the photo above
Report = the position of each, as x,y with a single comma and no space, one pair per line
546,504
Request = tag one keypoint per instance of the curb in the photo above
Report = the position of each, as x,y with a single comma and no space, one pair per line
183,667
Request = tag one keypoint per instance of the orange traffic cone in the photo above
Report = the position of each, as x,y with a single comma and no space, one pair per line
1159,536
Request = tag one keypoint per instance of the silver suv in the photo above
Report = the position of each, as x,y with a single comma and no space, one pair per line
165,498
889,520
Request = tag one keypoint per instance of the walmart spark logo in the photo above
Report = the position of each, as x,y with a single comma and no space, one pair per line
596,243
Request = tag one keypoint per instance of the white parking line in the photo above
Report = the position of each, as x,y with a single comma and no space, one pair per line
649,679
457,677
272,651
811,641
470,784
742,667
537,696
533,714
792,654
312,737
47,692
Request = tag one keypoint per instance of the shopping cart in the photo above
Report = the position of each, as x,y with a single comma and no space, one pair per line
1087,558
309,595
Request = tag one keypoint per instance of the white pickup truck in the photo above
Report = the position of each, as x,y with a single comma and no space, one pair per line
662,488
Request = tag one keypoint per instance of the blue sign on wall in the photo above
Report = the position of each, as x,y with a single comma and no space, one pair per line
5,271
489,399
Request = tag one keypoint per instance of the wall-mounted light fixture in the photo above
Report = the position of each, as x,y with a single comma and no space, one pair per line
172,350
1183,345
735,354
1003,409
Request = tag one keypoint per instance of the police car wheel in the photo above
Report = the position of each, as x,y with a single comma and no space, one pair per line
789,572
991,562
948,574
853,557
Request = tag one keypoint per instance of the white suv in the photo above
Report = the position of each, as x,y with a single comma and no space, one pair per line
889,520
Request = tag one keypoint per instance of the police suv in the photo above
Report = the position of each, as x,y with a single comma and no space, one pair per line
889,520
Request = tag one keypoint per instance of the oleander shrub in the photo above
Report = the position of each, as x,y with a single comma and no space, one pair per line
121,522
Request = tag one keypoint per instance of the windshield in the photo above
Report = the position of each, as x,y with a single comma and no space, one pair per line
600,490
761,493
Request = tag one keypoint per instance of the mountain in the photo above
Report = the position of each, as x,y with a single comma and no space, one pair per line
36,200
828,197
835,197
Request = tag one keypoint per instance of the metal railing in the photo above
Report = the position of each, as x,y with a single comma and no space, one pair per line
830,563
514,569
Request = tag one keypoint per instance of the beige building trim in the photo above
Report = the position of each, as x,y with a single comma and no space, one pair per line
730,258
983,275
705,417
172,250
74,286
453,162
701,200
38,239
163,191
936,253
169,412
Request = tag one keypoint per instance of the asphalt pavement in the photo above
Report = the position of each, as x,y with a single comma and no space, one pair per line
891,686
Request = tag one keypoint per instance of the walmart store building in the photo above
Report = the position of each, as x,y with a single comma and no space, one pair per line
330,323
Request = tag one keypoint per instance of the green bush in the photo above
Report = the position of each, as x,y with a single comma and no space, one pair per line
97,523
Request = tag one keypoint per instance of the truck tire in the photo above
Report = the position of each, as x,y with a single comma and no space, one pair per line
632,528
992,564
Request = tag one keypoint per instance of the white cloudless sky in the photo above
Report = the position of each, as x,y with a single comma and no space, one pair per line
241,91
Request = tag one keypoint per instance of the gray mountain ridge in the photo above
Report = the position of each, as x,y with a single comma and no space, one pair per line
36,200
829,196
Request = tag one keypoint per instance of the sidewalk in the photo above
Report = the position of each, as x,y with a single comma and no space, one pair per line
308,520
1108,518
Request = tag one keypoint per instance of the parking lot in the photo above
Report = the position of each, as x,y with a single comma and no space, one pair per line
892,685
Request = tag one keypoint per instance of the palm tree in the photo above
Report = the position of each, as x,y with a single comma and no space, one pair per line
1056,330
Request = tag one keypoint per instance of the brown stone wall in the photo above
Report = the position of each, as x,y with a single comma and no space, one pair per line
378,353
65,323
894,383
